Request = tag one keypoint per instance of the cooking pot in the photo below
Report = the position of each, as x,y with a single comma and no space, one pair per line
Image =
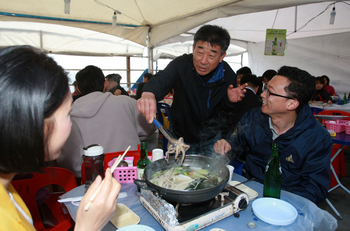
181,196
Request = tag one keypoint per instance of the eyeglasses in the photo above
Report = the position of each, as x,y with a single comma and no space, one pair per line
268,93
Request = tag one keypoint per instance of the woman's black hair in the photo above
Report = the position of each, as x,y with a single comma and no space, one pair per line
32,87
327,78
320,79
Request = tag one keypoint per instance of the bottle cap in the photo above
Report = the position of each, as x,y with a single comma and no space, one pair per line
93,150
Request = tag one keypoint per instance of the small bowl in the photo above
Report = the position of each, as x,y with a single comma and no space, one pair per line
136,228
274,211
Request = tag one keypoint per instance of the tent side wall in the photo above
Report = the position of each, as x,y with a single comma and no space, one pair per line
322,55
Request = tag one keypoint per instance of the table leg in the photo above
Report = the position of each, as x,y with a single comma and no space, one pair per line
336,175
338,183
334,209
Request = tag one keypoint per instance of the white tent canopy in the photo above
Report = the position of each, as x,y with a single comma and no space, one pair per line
164,19
167,27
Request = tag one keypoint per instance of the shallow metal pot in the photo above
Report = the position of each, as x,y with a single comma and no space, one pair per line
187,197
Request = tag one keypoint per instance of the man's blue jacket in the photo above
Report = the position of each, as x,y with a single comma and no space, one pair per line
304,150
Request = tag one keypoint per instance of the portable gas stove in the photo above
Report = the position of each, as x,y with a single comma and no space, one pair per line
195,216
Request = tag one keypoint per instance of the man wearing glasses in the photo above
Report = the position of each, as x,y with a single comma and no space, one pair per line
285,118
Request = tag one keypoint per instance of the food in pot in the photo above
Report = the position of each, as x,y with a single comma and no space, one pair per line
177,146
185,178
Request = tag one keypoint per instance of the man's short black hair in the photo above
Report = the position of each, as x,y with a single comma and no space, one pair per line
148,76
302,86
215,35
244,71
269,74
250,79
90,79
114,78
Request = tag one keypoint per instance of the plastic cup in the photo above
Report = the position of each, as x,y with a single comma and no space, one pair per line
157,154
230,169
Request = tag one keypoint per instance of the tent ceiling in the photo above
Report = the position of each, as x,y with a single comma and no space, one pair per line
167,21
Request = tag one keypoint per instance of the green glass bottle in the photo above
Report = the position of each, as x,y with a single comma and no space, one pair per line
344,99
274,47
273,174
142,162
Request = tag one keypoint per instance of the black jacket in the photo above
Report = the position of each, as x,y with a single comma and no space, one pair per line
194,115
321,95
139,90
230,121
304,150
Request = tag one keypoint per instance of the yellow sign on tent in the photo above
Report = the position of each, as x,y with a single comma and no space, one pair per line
275,42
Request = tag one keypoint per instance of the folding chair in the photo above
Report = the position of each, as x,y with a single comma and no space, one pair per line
164,117
28,188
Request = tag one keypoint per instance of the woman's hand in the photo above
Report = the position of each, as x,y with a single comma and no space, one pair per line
103,206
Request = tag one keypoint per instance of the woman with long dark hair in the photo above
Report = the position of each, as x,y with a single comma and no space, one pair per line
35,123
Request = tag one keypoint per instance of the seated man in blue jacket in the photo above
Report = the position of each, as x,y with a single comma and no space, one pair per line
285,118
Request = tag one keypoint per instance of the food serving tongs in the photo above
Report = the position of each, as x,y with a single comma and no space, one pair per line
176,146
164,132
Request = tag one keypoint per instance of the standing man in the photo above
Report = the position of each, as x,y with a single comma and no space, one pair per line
202,81
285,118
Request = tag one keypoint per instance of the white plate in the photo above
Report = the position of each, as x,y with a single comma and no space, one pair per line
136,228
274,211
251,193
331,117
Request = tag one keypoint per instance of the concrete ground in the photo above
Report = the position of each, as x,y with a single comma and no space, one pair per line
341,199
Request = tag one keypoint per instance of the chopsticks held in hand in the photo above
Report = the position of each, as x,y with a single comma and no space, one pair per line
112,170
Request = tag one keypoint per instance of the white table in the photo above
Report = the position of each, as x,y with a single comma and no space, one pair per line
345,107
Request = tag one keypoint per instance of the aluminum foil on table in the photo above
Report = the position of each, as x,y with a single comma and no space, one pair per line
166,211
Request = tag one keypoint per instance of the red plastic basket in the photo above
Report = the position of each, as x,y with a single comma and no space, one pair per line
347,129
338,126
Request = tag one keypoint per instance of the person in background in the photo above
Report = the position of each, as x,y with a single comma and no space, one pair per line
242,71
35,103
285,118
146,78
202,81
327,87
267,76
261,85
76,94
100,118
250,100
321,94
112,84
169,97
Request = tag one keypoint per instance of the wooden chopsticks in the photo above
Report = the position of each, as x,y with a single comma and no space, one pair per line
120,157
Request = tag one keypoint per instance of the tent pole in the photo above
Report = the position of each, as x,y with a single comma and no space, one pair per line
296,19
150,52
150,60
